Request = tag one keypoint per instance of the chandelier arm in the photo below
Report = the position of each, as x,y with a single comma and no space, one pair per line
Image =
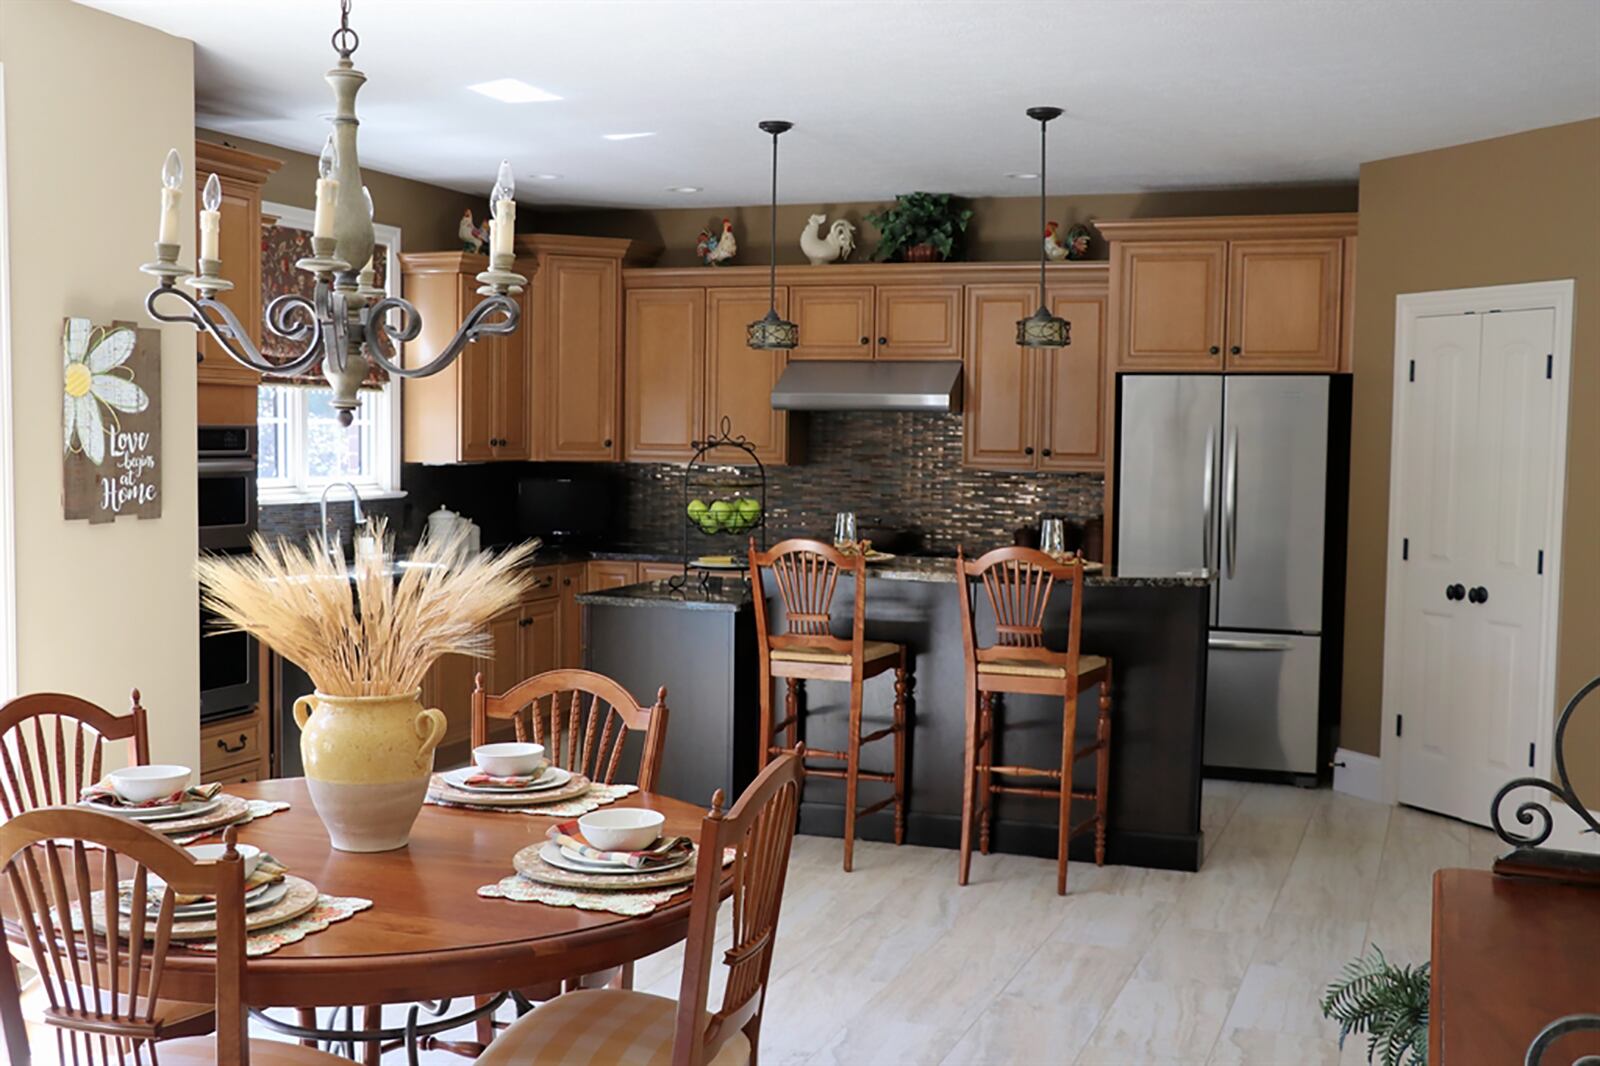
382,338
281,316
227,332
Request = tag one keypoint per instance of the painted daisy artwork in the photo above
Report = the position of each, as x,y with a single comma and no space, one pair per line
110,425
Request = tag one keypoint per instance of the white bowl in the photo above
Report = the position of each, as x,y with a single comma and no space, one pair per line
624,829
510,759
141,784
214,852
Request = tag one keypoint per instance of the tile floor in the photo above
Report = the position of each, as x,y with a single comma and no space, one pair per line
895,964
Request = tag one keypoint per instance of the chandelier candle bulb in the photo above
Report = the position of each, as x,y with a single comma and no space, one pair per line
211,220
171,197
504,207
327,191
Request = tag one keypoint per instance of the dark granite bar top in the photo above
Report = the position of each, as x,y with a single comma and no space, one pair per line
925,568
718,594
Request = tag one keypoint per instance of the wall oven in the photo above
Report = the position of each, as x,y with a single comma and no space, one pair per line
230,681
227,462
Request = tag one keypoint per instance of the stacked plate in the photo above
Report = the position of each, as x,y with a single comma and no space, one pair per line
551,784
550,864
184,818
206,908
565,858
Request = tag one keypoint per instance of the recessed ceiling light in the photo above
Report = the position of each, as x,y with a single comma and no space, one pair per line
683,188
1022,175
545,177
513,91
625,136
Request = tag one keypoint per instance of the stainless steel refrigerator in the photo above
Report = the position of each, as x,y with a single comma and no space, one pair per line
1243,477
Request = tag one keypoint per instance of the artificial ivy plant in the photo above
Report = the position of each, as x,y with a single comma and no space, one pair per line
919,218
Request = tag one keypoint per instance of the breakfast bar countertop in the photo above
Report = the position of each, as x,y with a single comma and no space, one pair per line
718,594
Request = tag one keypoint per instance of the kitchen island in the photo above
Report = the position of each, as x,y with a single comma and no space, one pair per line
701,644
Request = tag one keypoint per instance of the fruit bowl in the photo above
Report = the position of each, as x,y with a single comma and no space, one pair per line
738,514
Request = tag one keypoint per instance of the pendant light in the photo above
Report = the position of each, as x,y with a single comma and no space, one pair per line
772,333
1042,329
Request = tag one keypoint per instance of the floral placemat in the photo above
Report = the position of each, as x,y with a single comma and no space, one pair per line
516,887
257,809
328,909
597,796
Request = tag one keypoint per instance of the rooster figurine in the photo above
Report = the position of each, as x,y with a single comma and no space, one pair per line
1075,247
719,249
473,238
837,245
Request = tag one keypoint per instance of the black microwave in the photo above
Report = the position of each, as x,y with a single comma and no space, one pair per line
227,465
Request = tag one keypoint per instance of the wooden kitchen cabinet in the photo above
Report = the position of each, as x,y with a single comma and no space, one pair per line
917,322
835,321
1038,409
575,345
540,637
1172,307
226,390
1283,305
664,368
234,750
738,379
611,574
476,408
659,571
569,652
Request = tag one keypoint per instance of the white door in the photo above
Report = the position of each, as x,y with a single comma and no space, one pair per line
1476,468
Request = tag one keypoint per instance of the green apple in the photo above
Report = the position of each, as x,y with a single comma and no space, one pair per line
697,510
749,509
722,512
707,523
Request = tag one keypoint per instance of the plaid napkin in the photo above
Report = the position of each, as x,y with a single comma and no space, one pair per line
103,795
482,779
568,836
266,872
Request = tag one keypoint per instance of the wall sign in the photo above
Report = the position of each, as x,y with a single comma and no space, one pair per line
111,421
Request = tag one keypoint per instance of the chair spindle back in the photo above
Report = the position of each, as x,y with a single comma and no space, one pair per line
806,573
1019,583
52,744
582,718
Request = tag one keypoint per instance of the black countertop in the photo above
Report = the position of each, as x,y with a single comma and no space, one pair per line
719,594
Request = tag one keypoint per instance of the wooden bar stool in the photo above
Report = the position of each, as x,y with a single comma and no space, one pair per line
1019,582
806,573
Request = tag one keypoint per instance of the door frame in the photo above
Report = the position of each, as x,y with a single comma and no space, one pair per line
1557,296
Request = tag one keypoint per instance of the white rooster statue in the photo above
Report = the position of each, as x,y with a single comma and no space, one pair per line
473,238
835,247
718,249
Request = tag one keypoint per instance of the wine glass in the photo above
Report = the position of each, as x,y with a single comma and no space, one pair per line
844,529
1053,536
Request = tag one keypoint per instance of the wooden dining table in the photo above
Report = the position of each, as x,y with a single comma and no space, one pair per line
428,935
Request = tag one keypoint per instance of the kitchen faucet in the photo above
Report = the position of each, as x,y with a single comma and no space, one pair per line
357,513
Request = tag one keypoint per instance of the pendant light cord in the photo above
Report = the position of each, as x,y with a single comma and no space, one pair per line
1042,124
772,270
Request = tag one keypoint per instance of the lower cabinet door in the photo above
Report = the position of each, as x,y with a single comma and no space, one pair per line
540,637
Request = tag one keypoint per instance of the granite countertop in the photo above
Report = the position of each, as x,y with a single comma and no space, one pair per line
926,568
718,594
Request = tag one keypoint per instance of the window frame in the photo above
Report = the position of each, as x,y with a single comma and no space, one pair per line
384,414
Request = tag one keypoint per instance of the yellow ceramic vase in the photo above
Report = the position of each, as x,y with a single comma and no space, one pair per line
367,763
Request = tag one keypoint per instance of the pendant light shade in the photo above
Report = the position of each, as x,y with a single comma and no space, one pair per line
772,332
1042,329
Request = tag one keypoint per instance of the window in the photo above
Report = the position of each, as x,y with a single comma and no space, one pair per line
303,447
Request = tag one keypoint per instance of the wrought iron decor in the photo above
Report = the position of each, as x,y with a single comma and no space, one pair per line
744,475
1530,811
1572,1023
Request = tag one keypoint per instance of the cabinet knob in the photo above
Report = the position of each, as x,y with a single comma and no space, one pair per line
1215,350
606,443
1028,450
866,340
1045,453
883,340
524,621
1234,350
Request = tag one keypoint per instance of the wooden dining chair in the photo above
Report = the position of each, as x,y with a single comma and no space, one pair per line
603,1027
103,995
1019,583
806,574
51,747
583,720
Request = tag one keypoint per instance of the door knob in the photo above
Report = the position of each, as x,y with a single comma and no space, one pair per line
866,340
1028,450
883,340
1046,452
1234,350
1455,592
1215,350
606,443
1478,594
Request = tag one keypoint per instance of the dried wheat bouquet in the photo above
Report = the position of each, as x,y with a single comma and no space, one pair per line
354,628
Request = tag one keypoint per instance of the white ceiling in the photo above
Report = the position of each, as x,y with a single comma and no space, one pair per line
891,95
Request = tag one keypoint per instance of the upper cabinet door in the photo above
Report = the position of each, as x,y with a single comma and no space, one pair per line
739,380
1283,305
835,321
511,384
917,322
664,367
1073,404
239,244
478,368
1001,407
1171,304
581,308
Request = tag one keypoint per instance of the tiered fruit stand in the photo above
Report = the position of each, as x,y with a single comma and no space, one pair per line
724,504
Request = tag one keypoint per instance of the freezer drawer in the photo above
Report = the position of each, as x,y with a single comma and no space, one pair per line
1262,692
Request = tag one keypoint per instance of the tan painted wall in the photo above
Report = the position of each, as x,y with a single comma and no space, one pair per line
1512,209
93,102
427,215
1002,228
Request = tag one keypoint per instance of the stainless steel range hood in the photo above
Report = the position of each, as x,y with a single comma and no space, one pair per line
931,386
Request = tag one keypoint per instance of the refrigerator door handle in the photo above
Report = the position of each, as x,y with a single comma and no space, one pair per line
1232,644
1207,479
1230,502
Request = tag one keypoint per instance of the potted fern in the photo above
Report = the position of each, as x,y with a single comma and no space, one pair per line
919,227
1388,1003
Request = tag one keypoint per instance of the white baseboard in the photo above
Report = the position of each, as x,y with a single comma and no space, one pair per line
1358,774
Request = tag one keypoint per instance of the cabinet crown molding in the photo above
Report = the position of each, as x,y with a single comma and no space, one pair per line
1088,272
567,244
443,263
236,163
1228,227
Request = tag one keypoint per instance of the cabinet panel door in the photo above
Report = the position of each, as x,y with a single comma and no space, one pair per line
664,366
1073,403
571,647
1001,411
511,390
581,356
506,668
739,380
1347,307
541,636
1170,304
918,322
448,686
239,244
1283,305
479,368
611,574
835,321
659,571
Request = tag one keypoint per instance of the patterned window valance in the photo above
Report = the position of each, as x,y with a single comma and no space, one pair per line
281,248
